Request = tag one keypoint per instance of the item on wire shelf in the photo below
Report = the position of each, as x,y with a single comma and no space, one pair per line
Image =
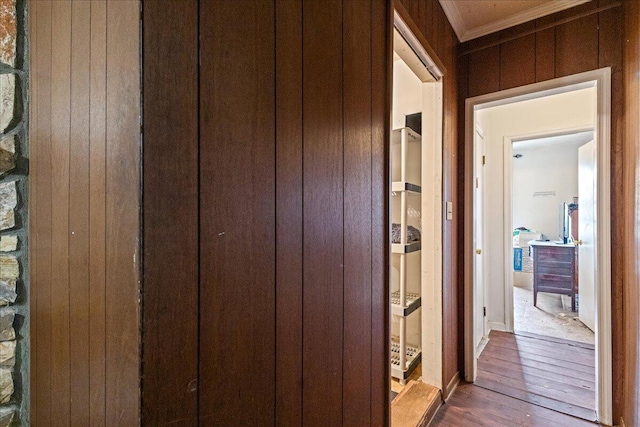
413,234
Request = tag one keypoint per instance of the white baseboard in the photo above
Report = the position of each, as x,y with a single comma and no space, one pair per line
481,345
497,326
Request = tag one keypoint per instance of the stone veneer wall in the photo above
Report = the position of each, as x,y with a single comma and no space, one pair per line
14,325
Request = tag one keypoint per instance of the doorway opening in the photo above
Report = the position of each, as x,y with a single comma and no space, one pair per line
416,229
541,166
552,214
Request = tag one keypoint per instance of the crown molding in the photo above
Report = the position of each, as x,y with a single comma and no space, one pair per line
454,17
466,34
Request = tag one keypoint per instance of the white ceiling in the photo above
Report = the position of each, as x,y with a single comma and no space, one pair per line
476,18
574,139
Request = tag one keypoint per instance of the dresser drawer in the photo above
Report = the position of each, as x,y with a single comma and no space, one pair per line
554,271
554,257
563,269
554,284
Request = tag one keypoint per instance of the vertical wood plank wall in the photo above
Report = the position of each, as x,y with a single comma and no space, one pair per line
323,235
170,186
84,146
631,209
381,47
289,258
294,201
431,20
265,215
237,213
592,41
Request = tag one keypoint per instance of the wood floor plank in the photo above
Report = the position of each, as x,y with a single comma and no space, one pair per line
505,385
473,405
556,375
539,376
554,339
534,343
512,354
540,367
519,409
566,354
488,419
519,412
537,399
548,342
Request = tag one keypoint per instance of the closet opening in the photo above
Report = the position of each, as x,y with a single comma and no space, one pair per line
416,213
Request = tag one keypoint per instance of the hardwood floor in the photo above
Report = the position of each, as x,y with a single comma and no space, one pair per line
471,405
526,380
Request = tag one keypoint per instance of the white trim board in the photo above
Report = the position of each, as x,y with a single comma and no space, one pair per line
601,80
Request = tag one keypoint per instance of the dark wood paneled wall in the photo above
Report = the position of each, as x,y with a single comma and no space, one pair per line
265,212
583,38
432,22
170,190
84,146
631,168
237,213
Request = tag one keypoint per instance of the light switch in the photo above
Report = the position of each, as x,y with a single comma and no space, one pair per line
449,211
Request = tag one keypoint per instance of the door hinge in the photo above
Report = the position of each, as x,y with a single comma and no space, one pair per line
477,182
484,311
484,160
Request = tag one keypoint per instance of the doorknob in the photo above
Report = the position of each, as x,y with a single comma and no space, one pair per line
478,251
577,242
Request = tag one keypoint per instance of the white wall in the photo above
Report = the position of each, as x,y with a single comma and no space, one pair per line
527,118
407,93
545,169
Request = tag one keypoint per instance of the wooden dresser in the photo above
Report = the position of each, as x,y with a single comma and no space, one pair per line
554,270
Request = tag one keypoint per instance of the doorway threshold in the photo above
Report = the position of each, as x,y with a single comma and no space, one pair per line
416,405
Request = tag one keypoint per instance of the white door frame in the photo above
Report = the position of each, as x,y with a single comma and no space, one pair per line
601,80
480,342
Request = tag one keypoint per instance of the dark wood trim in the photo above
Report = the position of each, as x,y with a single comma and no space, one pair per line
381,87
452,384
630,333
408,19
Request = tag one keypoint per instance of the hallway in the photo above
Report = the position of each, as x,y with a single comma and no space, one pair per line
526,379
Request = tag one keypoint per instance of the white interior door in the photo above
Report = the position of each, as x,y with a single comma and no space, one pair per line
478,267
587,235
